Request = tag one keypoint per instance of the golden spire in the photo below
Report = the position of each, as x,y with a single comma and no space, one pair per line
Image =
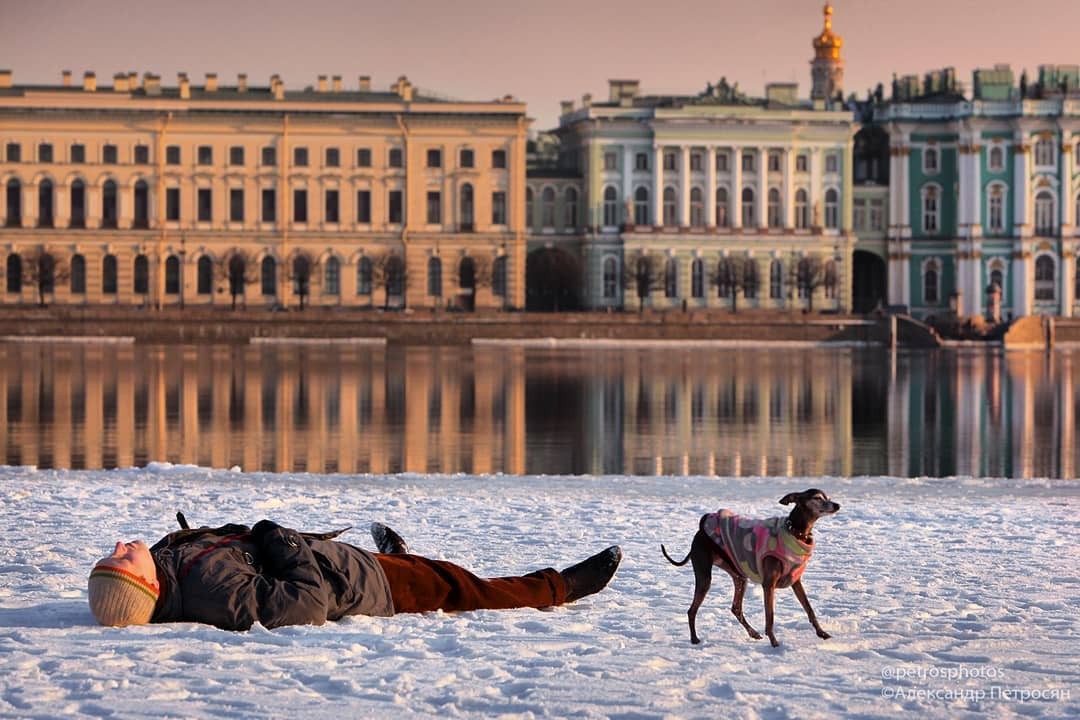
827,45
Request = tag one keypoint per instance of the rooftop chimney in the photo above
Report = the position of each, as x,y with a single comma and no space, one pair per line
185,86
133,80
89,82
586,100
241,82
277,87
404,88
322,83
5,78
211,82
152,84
120,82
337,83
622,92
365,83
65,78
567,107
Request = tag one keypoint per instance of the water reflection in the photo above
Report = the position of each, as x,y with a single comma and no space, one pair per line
481,410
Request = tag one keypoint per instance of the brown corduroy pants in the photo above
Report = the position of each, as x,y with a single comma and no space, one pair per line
418,584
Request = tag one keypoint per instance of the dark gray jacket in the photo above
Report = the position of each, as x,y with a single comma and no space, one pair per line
233,577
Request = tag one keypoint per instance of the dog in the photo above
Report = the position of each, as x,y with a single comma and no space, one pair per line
772,553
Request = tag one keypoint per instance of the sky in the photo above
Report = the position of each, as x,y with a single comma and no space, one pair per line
541,53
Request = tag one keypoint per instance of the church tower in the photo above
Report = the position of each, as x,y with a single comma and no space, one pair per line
827,67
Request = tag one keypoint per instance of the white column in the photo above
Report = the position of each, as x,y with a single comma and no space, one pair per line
628,181
658,185
684,186
1021,290
977,194
816,211
763,188
788,197
710,186
894,191
1068,202
1068,273
905,191
963,210
735,197
1021,188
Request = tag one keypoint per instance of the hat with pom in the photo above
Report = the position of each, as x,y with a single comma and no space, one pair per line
119,597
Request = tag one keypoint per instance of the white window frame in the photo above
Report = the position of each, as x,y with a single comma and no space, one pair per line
1002,195
832,209
1044,153
1041,227
802,209
1048,288
935,265
995,167
929,168
930,191
610,206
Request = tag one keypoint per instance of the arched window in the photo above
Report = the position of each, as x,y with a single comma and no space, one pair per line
78,205
750,279
332,276
547,207
641,206
802,209
611,277
172,275
776,280
997,278
804,277
498,277
434,277
721,207
363,276
996,160
611,207
930,160
141,276
466,208
301,276
697,207
995,208
671,278
108,275
697,278
395,276
467,273
931,289
1044,152
1045,287
725,277
775,219
205,275
14,203
831,279
14,273
78,275
45,204
669,207
1044,213
570,198
528,207
108,204
832,209
749,218
268,273
930,209
237,272
142,205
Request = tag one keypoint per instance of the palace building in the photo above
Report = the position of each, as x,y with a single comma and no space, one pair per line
212,194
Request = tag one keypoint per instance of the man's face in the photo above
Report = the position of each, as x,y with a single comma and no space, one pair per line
135,558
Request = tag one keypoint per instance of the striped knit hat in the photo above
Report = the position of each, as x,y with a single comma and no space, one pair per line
119,597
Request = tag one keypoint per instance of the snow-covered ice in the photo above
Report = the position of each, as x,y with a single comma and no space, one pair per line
961,595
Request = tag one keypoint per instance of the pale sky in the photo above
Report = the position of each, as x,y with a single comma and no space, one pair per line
541,51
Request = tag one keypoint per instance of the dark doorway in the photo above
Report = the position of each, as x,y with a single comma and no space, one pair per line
869,282
552,281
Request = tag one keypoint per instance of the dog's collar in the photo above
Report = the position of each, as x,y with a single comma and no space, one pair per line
808,538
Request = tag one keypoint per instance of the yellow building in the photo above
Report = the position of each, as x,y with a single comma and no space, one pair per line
139,194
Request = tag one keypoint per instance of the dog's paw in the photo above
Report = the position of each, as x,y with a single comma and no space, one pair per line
755,634
774,641
823,635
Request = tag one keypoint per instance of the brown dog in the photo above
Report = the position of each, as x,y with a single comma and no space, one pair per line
772,553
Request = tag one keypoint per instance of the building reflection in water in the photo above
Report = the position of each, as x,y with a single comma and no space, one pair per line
360,409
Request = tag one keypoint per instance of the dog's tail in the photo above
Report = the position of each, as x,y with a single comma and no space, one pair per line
679,564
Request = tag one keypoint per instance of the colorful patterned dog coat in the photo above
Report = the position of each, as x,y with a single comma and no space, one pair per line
748,541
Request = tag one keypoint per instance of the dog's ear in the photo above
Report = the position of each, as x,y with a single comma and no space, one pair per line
789,498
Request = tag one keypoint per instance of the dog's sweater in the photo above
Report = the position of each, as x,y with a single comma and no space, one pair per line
748,541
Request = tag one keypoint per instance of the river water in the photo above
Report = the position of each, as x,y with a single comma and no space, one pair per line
329,408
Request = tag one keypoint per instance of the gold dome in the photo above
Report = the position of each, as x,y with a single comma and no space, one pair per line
827,45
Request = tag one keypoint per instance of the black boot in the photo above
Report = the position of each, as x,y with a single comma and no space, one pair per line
388,541
591,575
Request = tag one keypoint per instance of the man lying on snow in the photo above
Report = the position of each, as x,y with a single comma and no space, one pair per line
233,577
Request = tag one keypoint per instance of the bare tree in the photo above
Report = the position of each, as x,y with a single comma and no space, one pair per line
643,274
809,273
733,275
299,271
388,269
43,271
238,270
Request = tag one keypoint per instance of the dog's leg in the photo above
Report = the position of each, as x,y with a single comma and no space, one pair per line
736,605
701,557
770,575
800,592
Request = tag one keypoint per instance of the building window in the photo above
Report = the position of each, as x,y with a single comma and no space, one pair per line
172,204
610,161
671,278
547,207
1044,213
498,277
670,161
108,275
363,276
269,205
695,162
333,157
301,275
721,207
466,210
236,155
570,217
300,157
528,207
172,275
332,207
930,160
77,216
45,204
363,206
363,157
670,217
877,215
394,207
269,156
467,158
996,160
299,206
697,207
172,155
802,210
332,276
142,154
141,276
995,209
78,154
748,216
78,275
236,205
141,205
747,162
774,162
930,209
750,279
14,273
13,152
434,207
774,213
776,280
45,153
434,158
721,162
641,161
803,277
725,276
396,158
611,278
498,159
1045,285
802,163
831,280
1044,153
611,207
205,275
434,277
641,206
109,155
206,205
498,208
205,155
269,276
697,278
832,163
931,290
832,209
108,204
997,278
